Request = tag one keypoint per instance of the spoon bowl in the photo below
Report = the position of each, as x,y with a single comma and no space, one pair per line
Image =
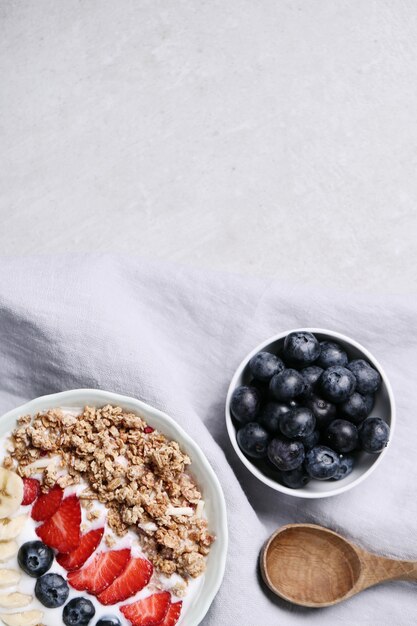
313,566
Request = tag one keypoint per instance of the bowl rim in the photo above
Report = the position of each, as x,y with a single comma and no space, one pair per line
300,493
64,398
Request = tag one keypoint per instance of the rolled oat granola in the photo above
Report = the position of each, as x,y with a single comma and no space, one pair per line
131,468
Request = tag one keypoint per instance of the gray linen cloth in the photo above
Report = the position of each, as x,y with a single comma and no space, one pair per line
173,337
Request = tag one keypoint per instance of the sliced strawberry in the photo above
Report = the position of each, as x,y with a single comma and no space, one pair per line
31,490
47,504
173,615
88,544
62,530
148,612
135,577
101,572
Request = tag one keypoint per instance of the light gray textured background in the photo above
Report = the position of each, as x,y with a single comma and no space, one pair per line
272,137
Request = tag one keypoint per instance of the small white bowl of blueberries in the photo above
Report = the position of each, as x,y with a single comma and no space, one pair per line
310,412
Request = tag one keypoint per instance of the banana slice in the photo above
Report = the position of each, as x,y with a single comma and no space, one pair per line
27,618
14,600
9,577
11,528
11,492
8,549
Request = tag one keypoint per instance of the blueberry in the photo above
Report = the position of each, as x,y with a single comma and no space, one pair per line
264,365
286,455
322,463
323,411
287,385
301,348
51,590
311,440
368,380
357,407
294,479
253,440
109,620
299,422
270,415
78,612
331,354
373,435
337,383
341,435
35,558
311,376
245,403
345,467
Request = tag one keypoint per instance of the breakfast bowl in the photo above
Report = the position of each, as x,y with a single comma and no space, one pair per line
364,463
203,589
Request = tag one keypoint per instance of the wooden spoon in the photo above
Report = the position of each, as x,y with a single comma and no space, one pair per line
314,566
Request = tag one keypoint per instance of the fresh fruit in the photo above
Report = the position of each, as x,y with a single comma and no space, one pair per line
337,383
88,544
101,572
294,479
47,504
311,377
245,403
301,348
253,440
286,455
31,490
308,400
311,440
35,558
11,492
52,590
109,620
323,411
331,354
270,415
8,549
287,385
9,577
149,611
368,380
264,365
299,422
134,577
14,600
373,435
78,612
27,618
357,407
62,530
173,615
345,467
11,528
341,435
322,463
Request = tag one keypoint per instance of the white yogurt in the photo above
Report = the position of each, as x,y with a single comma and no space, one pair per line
53,617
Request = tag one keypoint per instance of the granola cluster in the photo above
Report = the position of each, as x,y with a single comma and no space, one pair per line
134,470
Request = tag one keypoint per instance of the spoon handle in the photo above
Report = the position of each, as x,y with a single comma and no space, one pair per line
379,569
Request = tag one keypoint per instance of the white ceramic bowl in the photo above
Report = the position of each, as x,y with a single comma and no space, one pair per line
214,500
365,464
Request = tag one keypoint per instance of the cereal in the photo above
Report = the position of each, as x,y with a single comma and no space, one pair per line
133,469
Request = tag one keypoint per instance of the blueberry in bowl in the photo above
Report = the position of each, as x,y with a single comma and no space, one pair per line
310,412
322,463
253,439
78,612
52,590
